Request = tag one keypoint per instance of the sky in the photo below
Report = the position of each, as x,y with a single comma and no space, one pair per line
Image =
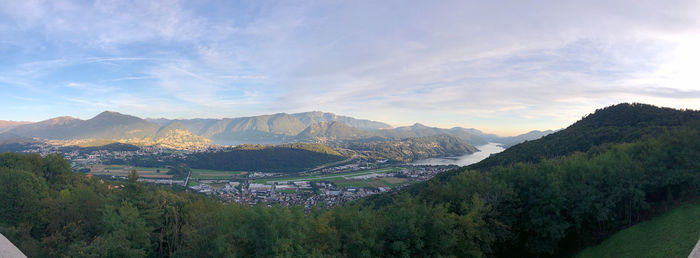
505,67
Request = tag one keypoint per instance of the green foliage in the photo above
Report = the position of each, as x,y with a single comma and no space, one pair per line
412,148
614,124
548,207
21,193
673,234
566,203
179,171
279,158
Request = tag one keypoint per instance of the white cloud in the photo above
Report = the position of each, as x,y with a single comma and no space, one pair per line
391,60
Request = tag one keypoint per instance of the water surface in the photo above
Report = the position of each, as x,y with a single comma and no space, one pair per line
484,152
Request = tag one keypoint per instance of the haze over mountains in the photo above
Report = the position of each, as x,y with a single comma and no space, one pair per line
278,128
7,125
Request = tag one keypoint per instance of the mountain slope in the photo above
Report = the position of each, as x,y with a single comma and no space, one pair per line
176,136
106,125
54,128
615,124
412,148
280,158
275,128
7,125
113,125
532,135
610,170
332,131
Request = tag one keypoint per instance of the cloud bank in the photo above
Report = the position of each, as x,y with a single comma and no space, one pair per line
504,66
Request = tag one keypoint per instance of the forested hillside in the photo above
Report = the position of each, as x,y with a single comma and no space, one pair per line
279,158
615,124
410,149
552,207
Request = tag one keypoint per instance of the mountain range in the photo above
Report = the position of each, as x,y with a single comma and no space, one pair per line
316,127
7,125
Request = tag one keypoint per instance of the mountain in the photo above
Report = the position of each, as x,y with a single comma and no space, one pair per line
176,136
332,131
109,127
106,125
53,128
508,142
317,116
294,157
8,136
275,128
312,127
474,136
549,197
615,124
414,148
7,125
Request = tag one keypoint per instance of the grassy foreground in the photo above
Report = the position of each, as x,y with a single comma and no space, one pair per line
673,234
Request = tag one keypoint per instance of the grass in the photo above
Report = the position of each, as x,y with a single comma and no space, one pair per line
370,182
329,177
673,234
213,174
150,172
121,170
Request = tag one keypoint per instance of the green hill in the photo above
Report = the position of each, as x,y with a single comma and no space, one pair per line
550,207
615,124
332,131
673,234
280,158
413,148
267,129
106,125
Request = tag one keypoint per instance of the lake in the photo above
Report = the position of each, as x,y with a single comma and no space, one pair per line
484,152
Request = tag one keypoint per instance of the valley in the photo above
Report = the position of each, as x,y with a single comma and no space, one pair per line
476,129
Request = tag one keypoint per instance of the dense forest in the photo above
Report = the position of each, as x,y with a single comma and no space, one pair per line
551,207
293,157
406,150
615,124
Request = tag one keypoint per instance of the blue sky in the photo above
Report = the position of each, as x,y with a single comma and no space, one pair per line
500,66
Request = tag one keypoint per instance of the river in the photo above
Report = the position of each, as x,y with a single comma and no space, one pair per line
484,152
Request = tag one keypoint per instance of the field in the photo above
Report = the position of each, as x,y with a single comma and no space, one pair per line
330,177
145,172
213,174
121,170
359,179
673,234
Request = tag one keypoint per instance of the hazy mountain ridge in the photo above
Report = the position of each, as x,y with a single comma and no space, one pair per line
319,127
531,135
108,127
619,123
7,125
274,128
335,131
410,149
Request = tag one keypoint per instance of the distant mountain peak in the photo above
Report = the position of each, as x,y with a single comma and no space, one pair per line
109,114
59,120
174,125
